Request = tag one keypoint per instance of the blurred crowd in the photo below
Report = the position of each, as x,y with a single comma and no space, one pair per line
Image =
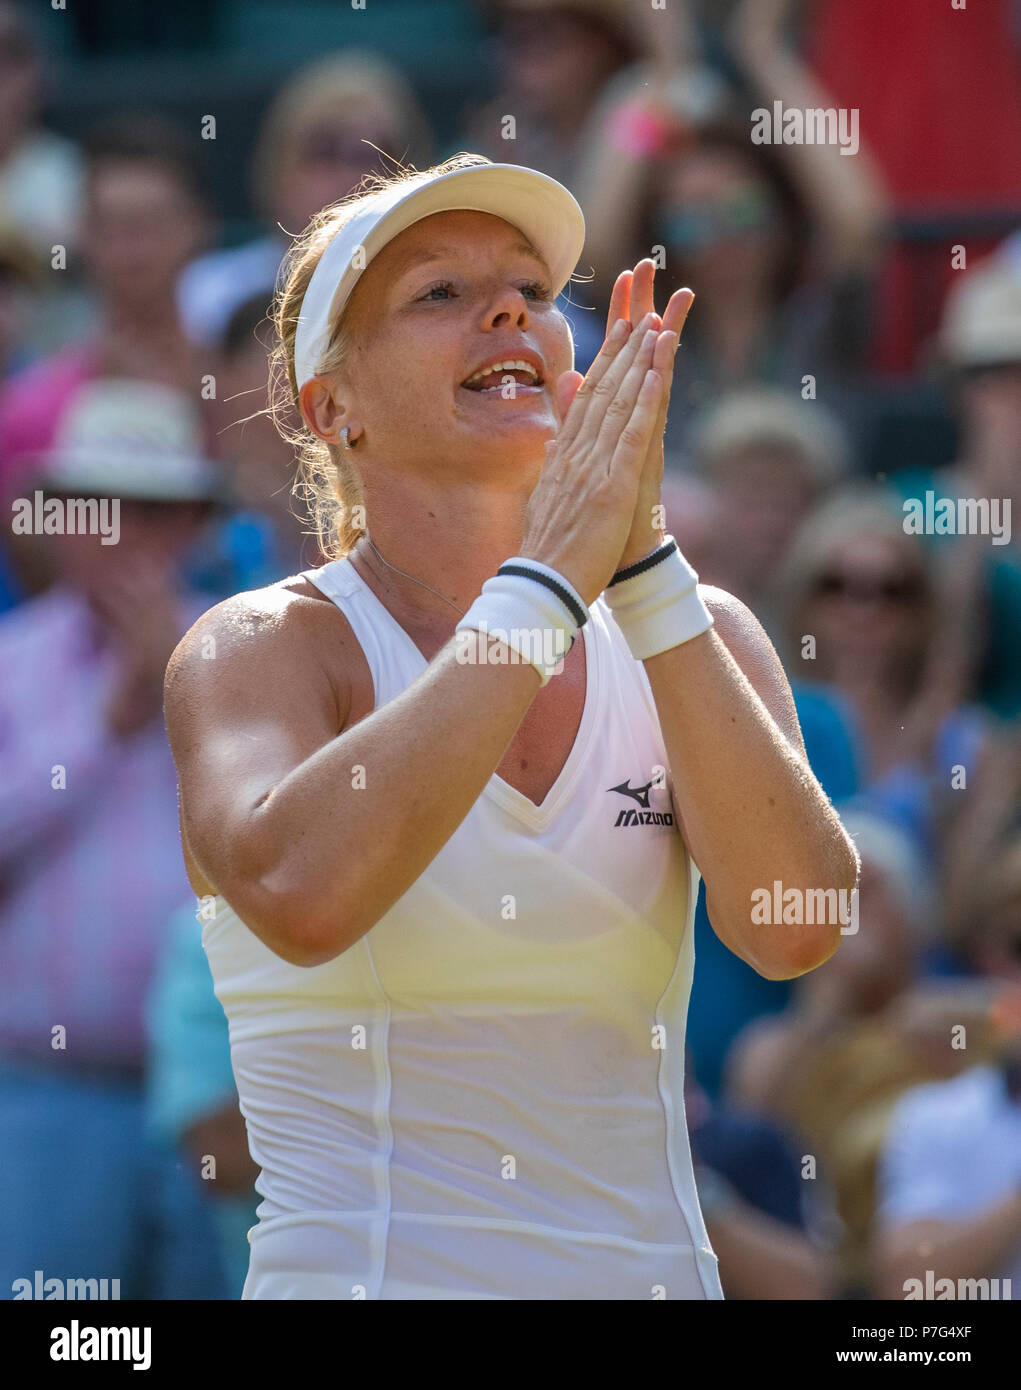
854,350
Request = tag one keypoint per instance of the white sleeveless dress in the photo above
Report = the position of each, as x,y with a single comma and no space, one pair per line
483,1097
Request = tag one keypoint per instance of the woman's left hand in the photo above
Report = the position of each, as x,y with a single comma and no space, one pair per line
632,299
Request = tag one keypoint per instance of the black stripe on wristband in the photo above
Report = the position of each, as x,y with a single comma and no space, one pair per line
640,566
565,596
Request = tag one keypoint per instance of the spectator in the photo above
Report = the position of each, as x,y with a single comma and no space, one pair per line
870,615
990,815
331,124
950,1179
751,1195
779,244
553,59
857,1035
41,172
90,860
260,539
981,344
770,457
143,219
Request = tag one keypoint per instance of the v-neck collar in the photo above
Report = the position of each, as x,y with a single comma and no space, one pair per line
515,802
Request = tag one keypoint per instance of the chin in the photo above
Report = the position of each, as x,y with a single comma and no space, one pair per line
506,452
508,421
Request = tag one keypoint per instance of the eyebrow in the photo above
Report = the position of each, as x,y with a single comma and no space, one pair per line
412,259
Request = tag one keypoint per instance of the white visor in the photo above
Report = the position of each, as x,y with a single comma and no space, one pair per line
547,214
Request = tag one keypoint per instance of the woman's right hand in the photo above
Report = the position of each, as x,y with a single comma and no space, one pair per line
579,516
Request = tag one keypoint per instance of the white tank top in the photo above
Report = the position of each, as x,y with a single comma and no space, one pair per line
483,1097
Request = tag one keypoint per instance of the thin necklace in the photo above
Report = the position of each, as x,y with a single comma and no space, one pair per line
421,582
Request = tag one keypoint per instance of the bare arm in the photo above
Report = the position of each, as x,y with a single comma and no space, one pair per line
749,806
844,194
761,1258
272,806
977,1247
223,1135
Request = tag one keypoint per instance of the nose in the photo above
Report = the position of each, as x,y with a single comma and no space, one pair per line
507,308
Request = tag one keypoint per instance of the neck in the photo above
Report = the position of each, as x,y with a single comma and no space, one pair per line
453,540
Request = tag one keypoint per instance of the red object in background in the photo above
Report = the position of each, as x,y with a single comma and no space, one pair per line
939,95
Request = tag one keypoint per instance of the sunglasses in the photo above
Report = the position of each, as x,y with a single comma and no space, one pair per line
891,589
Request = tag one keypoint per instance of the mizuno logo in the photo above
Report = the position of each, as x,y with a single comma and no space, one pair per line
645,816
640,794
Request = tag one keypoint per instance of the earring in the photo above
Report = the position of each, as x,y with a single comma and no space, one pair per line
345,435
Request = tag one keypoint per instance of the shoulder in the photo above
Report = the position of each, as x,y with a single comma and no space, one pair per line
280,633
234,621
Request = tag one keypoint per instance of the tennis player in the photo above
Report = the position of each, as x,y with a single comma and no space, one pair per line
443,798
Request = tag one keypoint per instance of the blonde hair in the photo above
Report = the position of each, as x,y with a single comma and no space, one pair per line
327,481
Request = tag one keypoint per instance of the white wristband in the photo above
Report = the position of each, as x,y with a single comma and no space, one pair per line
659,606
525,614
